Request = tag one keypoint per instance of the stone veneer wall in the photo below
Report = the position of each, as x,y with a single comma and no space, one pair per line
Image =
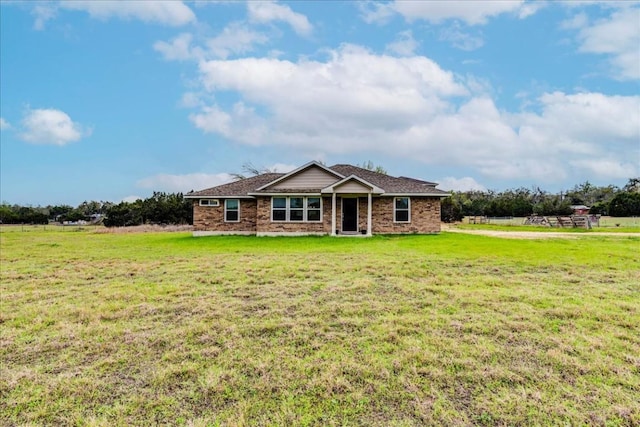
255,215
425,216
264,224
209,218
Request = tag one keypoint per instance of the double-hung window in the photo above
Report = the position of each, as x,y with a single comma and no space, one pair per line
231,210
313,209
401,209
296,209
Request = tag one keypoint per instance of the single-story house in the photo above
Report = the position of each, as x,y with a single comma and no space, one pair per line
318,199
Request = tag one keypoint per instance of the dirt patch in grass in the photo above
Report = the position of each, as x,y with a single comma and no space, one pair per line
455,329
536,234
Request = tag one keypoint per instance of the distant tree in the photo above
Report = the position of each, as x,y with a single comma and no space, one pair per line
124,214
7,215
249,170
625,203
633,186
450,210
600,208
370,166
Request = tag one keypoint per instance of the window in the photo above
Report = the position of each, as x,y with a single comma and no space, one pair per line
313,208
296,209
209,202
279,209
232,210
401,208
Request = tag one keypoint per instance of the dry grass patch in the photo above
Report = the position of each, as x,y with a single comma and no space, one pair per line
418,330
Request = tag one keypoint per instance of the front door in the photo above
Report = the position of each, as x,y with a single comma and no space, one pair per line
349,215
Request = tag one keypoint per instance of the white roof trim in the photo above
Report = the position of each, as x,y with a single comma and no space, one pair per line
301,168
374,189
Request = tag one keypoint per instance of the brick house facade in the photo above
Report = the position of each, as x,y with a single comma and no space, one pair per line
315,199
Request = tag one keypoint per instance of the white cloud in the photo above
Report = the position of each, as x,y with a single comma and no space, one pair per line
409,107
4,125
405,45
235,38
617,36
607,168
43,13
460,39
183,183
178,49
167,12
476,13
268,11
376,11
466,183
51,126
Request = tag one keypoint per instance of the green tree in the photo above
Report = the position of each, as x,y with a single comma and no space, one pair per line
450,210
625,204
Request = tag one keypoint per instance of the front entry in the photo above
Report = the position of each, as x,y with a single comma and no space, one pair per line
350,215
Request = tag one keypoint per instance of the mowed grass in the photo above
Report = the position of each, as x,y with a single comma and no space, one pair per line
452,329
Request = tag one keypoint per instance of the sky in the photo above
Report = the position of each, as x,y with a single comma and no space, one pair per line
112,100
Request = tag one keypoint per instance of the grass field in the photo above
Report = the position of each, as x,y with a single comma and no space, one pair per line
453,329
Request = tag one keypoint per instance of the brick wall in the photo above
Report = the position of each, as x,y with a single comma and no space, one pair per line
255,215
209,218
425,216
264,224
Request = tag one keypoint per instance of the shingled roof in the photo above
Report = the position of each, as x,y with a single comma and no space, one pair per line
237,188
390,184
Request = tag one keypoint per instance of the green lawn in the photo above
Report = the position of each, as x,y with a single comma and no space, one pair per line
452,329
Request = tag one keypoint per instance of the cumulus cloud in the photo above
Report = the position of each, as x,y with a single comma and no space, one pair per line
405,44
43,13
438,11
178,49
235,39
358,101
461,39
166,12
617,36
4,125
51,126
269,11
460,184
183,183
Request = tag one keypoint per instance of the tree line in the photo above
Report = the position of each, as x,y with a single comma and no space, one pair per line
172,208
521,202
160,208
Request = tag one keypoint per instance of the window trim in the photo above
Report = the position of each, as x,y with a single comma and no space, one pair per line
211,203
226,209
305,209
408,210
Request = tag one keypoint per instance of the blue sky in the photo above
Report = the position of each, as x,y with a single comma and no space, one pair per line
111,100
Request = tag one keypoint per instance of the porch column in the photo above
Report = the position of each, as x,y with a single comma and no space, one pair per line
333,214
369,214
